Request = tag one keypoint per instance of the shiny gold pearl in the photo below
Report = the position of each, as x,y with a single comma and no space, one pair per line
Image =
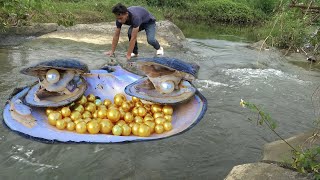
95,114
112,106
142,111
106,126
113,115
159,128
138,104
81,127
159,120
107,102
49,110
128,117
67,119
126,130
75,115
91,97
79,108
158,114
167,126
93,127
53,117
117,130
135,111
144,130
65,111
61,124
119,99
168,118
86,114
135,129
135,99
91,107
156,108
102,113
71,126
125,106
121,122
167,110
138,119
151,124
102,106
83,100
148,118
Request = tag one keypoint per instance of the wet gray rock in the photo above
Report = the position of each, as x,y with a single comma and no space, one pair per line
263,171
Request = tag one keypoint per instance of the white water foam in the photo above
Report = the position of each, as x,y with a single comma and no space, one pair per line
208,84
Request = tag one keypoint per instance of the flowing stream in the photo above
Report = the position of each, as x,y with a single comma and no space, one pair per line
229,71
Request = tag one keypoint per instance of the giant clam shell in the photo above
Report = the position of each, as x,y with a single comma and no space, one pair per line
55,100
188,72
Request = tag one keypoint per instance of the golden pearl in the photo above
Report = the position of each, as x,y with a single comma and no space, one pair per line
91,97
87,120
135,129
95,114
81,127
148,118
167,110
135,111
49,110
158,114
156,108
159,128
78,121
128,117
112,106
71,126
79,108
107,102
102,106
125,106
119,99
83,100
138,119
138,104
151,124
61,124
106,126
159,120
142,111
168,118
135,99
67,119
75,115
121,123
86,114
144,130
113,115
167,126
53,117
126,130
93,127
102,113
91,107
117,130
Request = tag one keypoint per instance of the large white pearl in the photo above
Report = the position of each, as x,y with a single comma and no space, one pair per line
167,86
53,76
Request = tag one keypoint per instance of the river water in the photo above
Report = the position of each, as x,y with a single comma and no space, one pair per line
222,139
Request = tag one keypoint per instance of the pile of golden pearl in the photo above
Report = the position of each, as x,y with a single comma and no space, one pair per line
120,118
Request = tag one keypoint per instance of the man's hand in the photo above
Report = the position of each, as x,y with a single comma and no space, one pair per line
128,56
109,53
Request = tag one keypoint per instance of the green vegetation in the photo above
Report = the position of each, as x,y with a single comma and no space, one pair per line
305,160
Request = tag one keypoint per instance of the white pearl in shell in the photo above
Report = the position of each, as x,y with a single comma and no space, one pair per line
53,76
167,86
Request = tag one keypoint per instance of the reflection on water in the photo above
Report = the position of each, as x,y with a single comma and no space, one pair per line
222,139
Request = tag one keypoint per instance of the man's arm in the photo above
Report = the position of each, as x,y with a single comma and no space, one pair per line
115,41
134,34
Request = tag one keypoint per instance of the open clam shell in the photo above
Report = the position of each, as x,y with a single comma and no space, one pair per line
159,68
67,92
